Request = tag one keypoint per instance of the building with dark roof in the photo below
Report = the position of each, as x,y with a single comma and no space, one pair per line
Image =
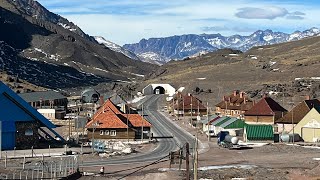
43,99
234,105
51,104
266,111
22,125
188,105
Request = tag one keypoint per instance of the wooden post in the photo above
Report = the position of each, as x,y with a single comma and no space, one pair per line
170,159
180,158
195,165
5,160
24,162
187,162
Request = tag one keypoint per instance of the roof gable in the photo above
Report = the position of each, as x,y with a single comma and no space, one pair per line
107,106
219,120
106,120
136,120
22,110
298,112
265,107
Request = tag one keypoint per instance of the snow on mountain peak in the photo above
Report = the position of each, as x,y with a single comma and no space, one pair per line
115,47
179,47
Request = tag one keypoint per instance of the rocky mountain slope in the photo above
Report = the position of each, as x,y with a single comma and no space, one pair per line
179,47
287,70
115,47
55,55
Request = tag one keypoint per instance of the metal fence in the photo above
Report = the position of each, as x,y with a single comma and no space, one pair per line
51,168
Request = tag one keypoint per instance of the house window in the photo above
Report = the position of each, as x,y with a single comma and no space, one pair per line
101,132
113,133
28,132
106,132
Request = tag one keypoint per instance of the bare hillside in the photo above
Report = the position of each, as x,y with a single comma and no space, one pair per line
267,69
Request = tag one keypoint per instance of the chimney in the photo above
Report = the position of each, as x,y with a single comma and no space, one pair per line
234,92
308,97
265,95
244,99
224,98
189,94
241,94
101,100
229,99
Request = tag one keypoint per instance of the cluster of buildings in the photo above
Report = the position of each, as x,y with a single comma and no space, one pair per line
26,118
262,120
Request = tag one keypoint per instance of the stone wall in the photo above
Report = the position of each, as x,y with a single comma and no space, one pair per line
27,134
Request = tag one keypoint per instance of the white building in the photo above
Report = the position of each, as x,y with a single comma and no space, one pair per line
159,89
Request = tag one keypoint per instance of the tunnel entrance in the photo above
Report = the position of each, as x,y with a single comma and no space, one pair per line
159,90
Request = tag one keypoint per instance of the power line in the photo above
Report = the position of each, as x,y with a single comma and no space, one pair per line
123,170
156,162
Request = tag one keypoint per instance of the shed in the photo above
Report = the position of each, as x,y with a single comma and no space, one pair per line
218,122
234,126
258,132
208,125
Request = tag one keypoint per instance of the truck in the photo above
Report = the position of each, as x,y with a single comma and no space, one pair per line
227,141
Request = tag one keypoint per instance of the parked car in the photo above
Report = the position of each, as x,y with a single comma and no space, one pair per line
211,133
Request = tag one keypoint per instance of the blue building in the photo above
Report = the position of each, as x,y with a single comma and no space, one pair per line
22,126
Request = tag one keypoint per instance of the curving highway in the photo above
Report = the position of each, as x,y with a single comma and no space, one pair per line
162,126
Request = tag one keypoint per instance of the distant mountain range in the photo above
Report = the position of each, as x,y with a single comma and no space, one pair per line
179,47
117,48
48,50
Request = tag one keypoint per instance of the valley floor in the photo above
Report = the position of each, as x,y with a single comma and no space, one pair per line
271,161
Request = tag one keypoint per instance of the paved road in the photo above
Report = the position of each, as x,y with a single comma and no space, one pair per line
162,126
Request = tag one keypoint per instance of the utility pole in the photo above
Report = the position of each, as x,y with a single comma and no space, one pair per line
195,165
142,124
178,114
183,107
187,162
208,121
0,139
198,108
292,126
191,112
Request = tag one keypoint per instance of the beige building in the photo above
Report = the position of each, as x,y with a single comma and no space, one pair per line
309,127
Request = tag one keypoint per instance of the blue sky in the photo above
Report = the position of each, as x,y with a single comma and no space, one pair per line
128,21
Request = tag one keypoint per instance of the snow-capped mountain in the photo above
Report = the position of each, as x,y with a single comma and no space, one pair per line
116,47
179,47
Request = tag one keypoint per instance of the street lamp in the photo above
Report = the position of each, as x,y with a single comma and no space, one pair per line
292,103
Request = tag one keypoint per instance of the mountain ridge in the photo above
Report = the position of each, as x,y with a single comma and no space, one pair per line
182,46
40,42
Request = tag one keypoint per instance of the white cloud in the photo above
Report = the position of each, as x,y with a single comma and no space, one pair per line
128,21
261,13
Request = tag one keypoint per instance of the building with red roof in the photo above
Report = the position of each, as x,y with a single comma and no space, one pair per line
234,105
266,111
110,123
185,104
